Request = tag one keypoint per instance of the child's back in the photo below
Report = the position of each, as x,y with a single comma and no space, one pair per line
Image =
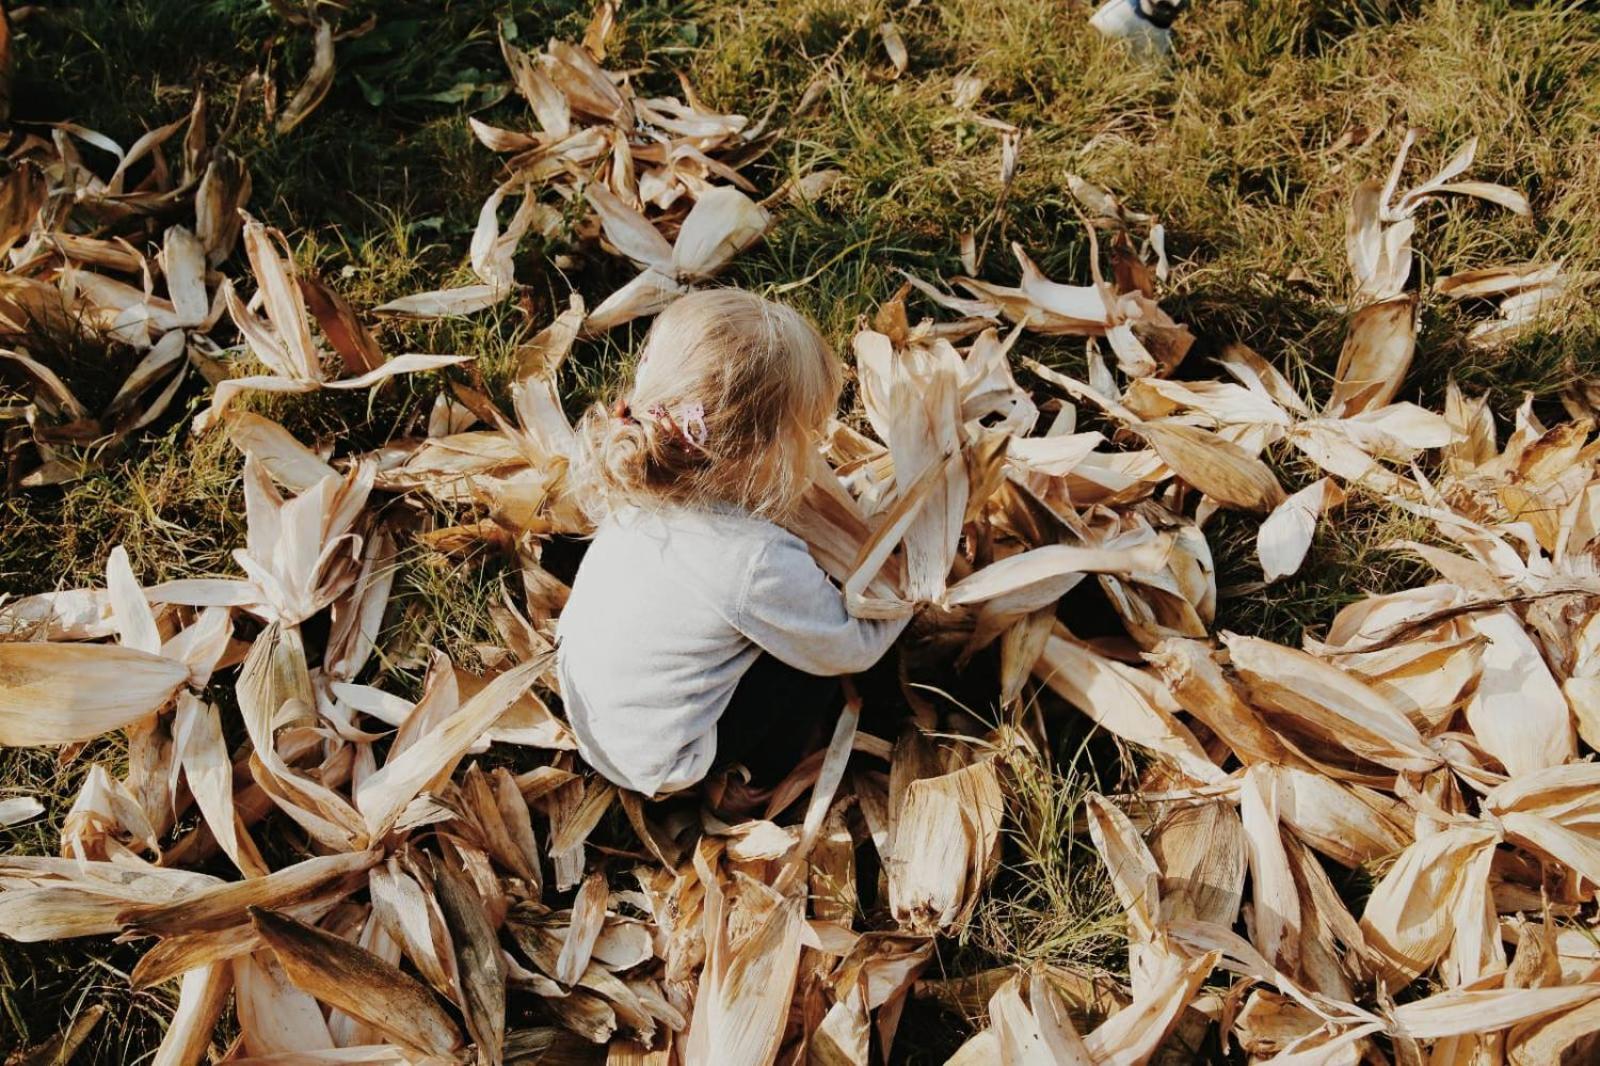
668,613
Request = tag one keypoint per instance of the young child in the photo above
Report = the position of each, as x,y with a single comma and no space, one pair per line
699,630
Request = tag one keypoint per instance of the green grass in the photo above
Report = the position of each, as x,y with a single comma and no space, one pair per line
1234,148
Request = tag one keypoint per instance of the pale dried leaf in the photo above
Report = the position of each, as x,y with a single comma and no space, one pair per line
358,983
65,693
1286,535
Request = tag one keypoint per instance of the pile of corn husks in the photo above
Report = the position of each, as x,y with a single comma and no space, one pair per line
377,893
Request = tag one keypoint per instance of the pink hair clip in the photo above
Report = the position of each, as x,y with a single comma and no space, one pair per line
688,424
693,420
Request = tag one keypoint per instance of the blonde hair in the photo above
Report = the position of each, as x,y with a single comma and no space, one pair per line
727,399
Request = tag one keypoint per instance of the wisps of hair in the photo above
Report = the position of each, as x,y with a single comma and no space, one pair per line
767,382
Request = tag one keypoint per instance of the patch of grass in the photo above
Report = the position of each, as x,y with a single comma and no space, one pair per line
172,503
1236,147
1053,903
1348,561
73,977
443,602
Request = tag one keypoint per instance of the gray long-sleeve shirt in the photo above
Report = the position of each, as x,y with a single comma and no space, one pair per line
668,611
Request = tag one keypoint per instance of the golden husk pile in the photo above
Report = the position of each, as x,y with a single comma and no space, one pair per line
76,273
392,900
649,168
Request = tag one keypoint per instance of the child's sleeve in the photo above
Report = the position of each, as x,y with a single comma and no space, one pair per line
793,610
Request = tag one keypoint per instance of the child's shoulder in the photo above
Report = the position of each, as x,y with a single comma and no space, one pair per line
732,533
717,552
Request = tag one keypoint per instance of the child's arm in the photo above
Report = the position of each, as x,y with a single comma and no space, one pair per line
792,610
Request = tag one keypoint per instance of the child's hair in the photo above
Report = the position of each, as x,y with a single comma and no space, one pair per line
727,399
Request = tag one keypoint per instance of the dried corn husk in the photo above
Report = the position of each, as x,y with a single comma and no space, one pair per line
744,995
1376,355
64,693
1285,537
358,983
941,847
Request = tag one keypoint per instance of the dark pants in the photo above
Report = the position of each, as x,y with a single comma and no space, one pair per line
776,718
